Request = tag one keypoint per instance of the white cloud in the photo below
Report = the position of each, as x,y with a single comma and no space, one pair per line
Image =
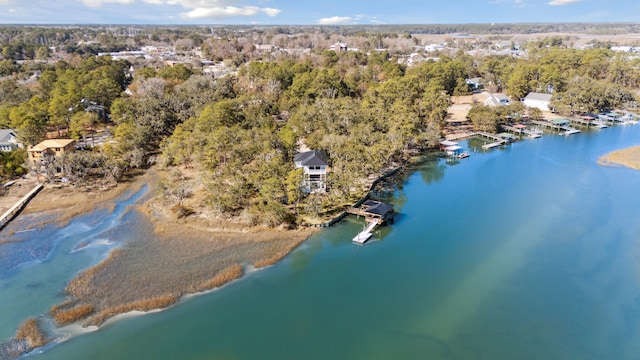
562,2
199,9
271,11
334,20
228,11
98,3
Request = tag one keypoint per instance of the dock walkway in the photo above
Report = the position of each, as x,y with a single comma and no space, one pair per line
546,124
15,209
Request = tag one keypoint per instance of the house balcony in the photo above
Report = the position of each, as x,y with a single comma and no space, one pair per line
315,172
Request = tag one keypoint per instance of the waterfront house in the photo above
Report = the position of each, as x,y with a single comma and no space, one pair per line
8,140
538,100
50,148
314,163
496,100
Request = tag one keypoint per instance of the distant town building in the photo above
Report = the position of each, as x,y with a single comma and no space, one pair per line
434,47
8,140
314,163
339,46
537,100
264,49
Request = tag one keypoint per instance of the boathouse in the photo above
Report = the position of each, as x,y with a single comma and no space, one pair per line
373,210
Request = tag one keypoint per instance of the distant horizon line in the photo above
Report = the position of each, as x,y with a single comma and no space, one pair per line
599,23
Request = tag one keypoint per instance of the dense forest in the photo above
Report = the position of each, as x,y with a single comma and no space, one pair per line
233,138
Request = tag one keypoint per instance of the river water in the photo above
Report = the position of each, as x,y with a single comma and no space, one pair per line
528,252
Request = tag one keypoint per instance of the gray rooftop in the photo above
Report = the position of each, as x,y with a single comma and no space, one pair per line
311,158
538,96
6,135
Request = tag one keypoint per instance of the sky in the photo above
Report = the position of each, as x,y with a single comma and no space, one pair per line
323,12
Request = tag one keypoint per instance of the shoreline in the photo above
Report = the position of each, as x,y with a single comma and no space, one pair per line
161,229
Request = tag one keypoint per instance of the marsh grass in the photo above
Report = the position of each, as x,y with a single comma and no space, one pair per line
64,316
224,276
140,305
31,332
629,157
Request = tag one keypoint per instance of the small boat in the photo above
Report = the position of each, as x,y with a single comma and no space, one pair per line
571,131
463,155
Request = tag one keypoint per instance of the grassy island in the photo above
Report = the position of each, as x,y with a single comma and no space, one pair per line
629,157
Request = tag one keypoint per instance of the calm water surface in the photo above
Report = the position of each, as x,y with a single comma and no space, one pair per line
530,252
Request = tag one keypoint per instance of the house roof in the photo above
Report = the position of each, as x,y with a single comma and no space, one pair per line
51,143
538,96
496,99
6,135
377,207
311,158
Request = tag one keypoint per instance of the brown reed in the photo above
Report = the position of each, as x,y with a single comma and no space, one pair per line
67,316
31,332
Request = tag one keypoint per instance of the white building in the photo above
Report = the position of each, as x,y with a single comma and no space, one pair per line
315,165
496,100
537,100
434,47
8,140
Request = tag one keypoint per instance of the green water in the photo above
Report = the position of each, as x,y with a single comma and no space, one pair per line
529,252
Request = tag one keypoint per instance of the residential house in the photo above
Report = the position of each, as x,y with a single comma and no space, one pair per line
496,100
538,100
315,165
51,147
474,83
8,140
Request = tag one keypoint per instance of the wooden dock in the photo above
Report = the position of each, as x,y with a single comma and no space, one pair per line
455,137
491,145
15,209
581,121
376,213
546,124
489,136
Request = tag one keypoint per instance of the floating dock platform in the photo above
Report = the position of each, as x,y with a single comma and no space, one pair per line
365,234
